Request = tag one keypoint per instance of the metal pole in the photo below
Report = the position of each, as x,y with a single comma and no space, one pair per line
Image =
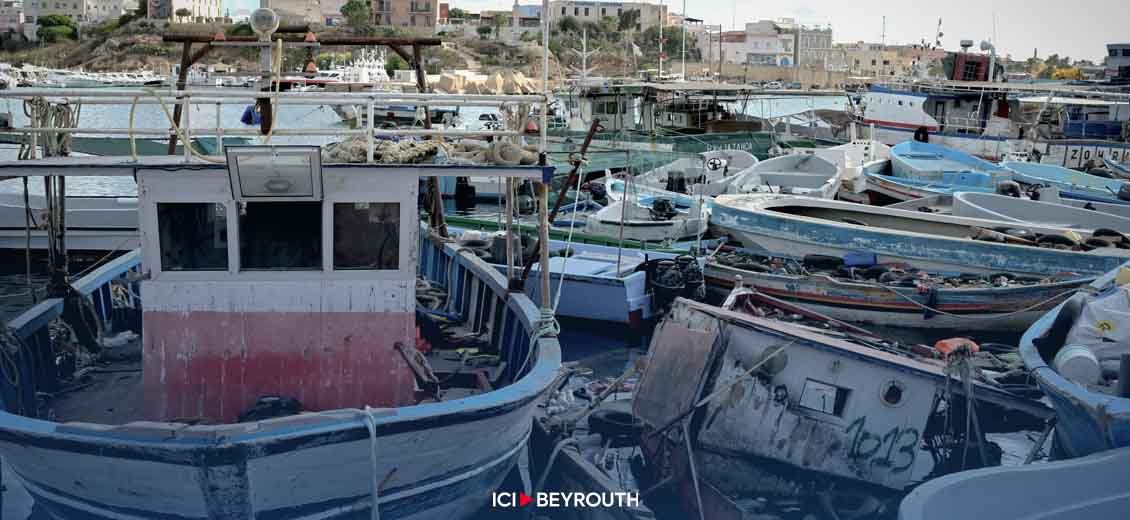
684,44
543,239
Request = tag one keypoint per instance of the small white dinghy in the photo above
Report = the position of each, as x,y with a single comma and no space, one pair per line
707,174
648,214
800,174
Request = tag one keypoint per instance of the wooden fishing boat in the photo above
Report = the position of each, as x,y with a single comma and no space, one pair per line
1092,416
894,295
337,332
1072,184
925,161
990,206
1061,490
797,174
734,403
798,226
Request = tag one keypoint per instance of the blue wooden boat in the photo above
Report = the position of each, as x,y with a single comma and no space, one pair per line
169,436
1072,184
1090,420
925,161
797,226
896,295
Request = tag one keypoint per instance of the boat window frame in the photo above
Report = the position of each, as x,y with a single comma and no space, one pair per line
209,187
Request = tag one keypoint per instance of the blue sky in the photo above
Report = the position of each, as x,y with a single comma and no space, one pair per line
236,4
1078,28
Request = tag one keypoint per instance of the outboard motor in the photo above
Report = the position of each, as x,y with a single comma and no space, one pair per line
525,204
694,284
598,192
676,181
1009,188
662,209
1124,191
667,283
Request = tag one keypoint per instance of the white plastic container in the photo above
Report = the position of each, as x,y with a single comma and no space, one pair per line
1077,363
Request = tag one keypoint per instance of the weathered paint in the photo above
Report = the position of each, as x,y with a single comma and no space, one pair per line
1011,308
306,466
1088,421
753,220
767,417
215,365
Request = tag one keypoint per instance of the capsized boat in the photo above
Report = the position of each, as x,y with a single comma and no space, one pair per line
925,161
1072,184
857,289
708,173
797,226
243,308
1077,354
797,174
991,206
734,403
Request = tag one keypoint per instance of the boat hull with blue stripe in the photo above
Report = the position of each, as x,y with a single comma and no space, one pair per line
1089,421
1072,184
315,465
797,226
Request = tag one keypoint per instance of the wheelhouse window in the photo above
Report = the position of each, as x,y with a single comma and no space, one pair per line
193,236
280,236
366,235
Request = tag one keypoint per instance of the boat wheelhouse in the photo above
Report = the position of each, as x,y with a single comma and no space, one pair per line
276,276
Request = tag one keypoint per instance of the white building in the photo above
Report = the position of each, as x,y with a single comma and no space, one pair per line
331,12
761,43
11,16
651,15
81,11
297,12
199,10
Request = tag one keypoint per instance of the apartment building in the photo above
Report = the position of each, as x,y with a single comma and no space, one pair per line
760,43
651,15
198,9
418,16
11,16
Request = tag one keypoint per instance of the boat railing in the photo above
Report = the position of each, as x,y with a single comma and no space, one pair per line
478,294
105,290
185,129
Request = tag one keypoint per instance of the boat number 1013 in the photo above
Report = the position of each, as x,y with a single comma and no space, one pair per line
894,449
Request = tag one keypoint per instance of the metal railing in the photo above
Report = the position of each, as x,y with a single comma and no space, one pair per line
169,99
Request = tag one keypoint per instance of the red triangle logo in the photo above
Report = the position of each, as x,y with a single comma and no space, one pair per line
524,499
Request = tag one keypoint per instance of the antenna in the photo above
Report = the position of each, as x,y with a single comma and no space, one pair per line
884,36
584,53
